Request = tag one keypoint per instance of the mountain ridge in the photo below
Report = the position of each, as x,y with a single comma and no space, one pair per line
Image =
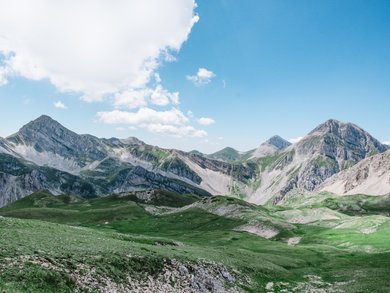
120,165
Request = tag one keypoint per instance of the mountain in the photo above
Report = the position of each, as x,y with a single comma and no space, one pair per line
19,178
227,154
270,147
44,141
43,154
370,176
111,165
328,149
4,147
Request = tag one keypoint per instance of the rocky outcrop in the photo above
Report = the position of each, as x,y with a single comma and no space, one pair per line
370,176
227,154
45,135
330,148
44,154
270,147
19,179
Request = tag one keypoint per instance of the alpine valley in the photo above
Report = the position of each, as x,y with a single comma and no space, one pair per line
86,214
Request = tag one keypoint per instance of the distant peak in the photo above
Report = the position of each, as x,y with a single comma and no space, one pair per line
44,118
333,121
44,125
278,142
229,149
334,126
132,141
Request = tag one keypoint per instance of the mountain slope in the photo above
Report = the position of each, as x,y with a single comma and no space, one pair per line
370,176
44,141
139,242
19,178
114,165
270,147
227,154
331,147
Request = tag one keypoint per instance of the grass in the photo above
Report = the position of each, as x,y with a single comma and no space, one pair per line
116,237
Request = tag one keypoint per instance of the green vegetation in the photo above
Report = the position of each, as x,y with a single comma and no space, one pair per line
58,240
270,161
324,162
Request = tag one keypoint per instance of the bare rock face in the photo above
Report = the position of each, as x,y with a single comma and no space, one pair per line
107,165
334,146
328,149
46,155
47,135
340,141
270,147
370,176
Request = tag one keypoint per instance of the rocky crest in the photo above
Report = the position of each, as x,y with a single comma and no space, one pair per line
370,176
46,155
270,147
328,149
107,165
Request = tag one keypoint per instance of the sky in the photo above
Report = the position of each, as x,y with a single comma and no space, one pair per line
195,75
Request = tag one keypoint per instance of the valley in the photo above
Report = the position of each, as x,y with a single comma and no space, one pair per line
85,214
145,241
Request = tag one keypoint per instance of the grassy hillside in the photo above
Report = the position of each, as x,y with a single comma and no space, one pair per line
100,243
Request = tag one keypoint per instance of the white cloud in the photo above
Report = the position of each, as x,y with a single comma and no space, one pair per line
171,122
386,143
143,116
96,48
295,140
162,97
3,76
206,121
60,105
120,129
202,77
131,98
178,131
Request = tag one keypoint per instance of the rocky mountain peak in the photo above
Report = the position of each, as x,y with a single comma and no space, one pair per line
338,140
278,142
43,125
226,154
45,135
336,127
270,147
132,141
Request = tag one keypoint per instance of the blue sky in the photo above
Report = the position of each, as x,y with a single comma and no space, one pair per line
278,67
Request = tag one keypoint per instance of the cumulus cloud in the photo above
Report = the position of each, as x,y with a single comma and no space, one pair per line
202,77
171,122
131,98
295,140
103,50
386,143
143,116
97,48
60,105
162,97
178,131
3,76
206,121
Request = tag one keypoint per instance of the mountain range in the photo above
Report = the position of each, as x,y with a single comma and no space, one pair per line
335,156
